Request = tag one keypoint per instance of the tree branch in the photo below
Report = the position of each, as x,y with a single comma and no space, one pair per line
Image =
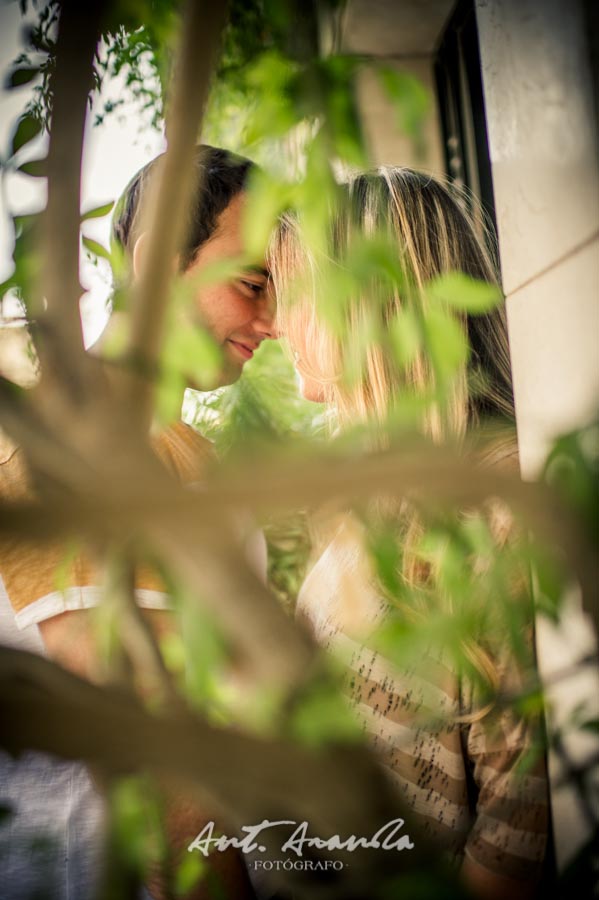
337,789
60,340
165,213
189,530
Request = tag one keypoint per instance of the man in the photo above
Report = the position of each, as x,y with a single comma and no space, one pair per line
238,314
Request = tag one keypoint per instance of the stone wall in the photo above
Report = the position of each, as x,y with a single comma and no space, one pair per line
543,146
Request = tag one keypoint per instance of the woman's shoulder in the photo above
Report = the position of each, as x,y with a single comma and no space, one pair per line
339,594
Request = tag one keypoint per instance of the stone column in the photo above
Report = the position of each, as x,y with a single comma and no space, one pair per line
545,161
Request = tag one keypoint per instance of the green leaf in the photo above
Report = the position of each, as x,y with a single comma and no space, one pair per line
406,336
375,257
530,704
397,640
476,531
323,715
188,873
386,555
266,199
271,72
335,288
24,225
37,168
64,571
193,352
336,77
9,284
98,212
270,79
572,468
216,272
190,358
172,648
204,652
18,77
27,129
549,583
359,345
464,293
591,725
95,248
411,99
446,342
136,824
169,396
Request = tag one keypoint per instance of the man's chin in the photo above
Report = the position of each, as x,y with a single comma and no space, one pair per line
227,378
227,375
230,372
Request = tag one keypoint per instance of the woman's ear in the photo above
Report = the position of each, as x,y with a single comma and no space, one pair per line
140,249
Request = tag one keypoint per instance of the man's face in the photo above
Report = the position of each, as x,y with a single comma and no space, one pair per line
238,313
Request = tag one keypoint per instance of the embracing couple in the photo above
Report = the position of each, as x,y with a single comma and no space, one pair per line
459,778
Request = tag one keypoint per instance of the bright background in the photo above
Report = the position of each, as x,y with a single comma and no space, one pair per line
114,151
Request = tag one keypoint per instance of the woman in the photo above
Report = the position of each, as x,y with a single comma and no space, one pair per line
453,757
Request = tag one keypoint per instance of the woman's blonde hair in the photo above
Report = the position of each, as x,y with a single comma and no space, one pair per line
436,231
434,235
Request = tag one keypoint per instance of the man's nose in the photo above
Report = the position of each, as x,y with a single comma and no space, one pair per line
266,318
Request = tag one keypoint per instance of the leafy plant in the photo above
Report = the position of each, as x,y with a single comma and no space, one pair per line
275,94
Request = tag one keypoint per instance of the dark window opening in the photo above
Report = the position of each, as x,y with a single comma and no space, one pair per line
462,109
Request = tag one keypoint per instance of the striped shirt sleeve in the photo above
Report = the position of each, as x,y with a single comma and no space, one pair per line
507,763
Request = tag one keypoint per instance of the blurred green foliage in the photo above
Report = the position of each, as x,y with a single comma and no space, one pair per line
295,110
261,410
572,468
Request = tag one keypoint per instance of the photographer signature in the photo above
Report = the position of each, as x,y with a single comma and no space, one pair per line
386,838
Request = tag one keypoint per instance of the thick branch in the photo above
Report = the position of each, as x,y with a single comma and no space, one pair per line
189,531
336,789
60,344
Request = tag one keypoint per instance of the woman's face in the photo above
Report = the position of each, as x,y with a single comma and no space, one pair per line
310,389
300,339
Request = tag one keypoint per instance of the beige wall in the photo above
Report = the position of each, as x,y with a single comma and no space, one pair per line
544,156
386,143
545,162
402,34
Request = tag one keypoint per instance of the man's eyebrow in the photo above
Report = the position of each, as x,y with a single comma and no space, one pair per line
257,270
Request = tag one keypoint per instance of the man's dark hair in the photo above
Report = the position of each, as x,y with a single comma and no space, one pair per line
220,176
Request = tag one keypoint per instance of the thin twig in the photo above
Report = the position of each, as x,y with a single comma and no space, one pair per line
136,635
165,213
